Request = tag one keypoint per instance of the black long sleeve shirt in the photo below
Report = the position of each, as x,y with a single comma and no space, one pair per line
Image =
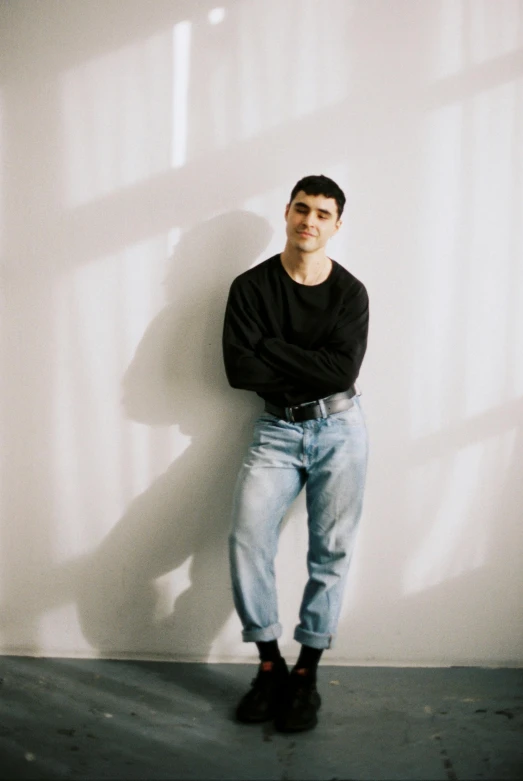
292,343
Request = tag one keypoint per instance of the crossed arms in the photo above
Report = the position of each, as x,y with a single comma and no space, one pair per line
257,361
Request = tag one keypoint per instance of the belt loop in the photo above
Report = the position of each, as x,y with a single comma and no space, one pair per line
289,415
321,403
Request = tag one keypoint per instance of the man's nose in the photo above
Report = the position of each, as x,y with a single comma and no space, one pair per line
308,220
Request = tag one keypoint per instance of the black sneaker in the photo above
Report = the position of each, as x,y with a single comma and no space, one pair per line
300,706
265,696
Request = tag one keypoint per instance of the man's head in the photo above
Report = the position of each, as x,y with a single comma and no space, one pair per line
320,185
313,213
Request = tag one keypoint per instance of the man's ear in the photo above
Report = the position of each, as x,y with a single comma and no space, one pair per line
338,225
287,210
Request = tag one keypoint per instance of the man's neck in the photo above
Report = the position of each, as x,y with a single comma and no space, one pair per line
307,268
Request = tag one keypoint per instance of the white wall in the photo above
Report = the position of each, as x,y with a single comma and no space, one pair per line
147,152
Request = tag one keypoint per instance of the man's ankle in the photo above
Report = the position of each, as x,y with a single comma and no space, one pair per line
269,651
306,674
307,663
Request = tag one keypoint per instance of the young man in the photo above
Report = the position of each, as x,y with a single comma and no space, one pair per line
295,332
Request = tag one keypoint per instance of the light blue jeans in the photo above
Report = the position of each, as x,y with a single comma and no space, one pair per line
329,457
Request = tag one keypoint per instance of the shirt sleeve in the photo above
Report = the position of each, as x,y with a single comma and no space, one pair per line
243,332
335,366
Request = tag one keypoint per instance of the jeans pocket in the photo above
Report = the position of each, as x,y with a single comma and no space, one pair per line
265,417
352,416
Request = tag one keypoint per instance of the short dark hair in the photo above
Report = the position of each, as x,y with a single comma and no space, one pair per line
320,185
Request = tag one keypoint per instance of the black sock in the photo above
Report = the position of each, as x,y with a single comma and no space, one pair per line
309,659
269,651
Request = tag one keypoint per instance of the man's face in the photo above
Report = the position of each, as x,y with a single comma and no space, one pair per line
311,221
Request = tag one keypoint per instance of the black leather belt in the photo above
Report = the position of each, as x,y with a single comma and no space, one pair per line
320,408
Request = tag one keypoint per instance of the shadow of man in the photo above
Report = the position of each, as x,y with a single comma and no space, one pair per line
182,519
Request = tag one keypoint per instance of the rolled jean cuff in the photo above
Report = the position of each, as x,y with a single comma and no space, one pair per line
263,635
313,639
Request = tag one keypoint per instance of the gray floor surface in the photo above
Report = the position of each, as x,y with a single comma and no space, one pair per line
80,719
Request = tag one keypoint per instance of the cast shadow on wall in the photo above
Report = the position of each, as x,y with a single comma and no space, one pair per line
182,519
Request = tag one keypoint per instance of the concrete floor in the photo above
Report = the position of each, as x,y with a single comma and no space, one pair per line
79,719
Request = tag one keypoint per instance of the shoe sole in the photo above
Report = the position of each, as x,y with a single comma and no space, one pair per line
301,728
261,720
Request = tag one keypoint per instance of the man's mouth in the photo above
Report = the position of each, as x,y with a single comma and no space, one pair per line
307,235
